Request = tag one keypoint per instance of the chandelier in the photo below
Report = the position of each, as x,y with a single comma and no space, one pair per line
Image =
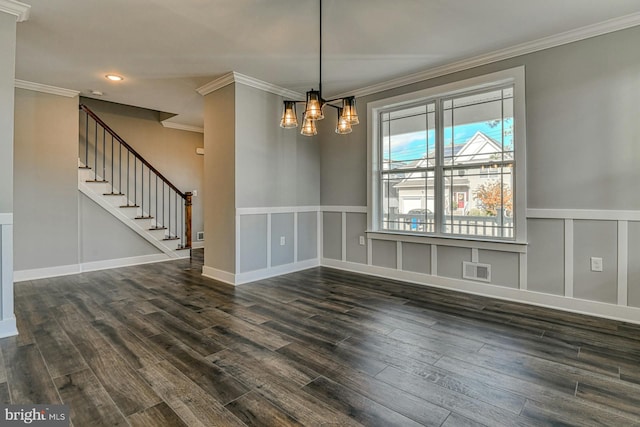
314,105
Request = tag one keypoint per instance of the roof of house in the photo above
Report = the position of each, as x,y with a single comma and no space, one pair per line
480,148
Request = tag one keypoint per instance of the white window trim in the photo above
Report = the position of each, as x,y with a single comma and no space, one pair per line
515,76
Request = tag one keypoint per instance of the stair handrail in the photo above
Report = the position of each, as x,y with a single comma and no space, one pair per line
131,150
187,196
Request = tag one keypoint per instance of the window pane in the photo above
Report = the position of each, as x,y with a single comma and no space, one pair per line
408,201
474,165
408,137
478,201
478,128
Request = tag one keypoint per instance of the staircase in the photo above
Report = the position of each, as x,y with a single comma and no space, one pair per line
116,177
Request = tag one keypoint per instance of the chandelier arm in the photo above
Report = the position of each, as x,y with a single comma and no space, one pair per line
320,49
331,105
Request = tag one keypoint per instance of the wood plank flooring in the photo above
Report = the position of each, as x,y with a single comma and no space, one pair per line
159,345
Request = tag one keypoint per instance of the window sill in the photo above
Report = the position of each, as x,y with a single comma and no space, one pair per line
463,242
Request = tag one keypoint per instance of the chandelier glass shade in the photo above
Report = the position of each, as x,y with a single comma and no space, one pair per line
344,126
314,105
308,127
289,116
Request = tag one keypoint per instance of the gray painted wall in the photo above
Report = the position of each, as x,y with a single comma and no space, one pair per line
571,91
332,235
253,242
582,127
307,235
545,256
55,225
170,151
274,166
504,267
599,239
104,237
356,227
343,161
219,180
281,226
7,73
260,165
633,266
46,180
450,261
384,254
416,257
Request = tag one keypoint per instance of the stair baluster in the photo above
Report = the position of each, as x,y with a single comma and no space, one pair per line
175,221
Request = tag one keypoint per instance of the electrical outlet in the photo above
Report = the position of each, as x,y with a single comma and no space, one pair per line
361,240
282,241
195,193
596,264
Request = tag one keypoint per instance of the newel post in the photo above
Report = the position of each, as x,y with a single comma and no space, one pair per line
187,217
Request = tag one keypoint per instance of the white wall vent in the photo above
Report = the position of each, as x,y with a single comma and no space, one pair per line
476,271
200,236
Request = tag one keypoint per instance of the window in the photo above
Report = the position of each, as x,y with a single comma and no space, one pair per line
449,161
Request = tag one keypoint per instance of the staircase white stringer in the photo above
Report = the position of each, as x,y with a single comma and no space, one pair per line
95,191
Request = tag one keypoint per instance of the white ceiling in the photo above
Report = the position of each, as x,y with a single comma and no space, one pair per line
166,49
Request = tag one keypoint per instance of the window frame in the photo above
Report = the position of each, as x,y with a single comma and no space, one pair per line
513,76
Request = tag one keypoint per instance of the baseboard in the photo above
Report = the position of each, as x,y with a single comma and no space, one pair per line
124,262
46,272
65,270
264,273
573,305
8,327
219,275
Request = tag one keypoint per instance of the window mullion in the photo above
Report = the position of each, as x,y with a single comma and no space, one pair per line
438,187
381,169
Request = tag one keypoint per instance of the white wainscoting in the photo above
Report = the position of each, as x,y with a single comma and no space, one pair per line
567,302
7,318
622,217
241,277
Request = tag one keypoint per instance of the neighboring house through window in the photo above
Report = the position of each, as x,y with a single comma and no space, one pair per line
449,161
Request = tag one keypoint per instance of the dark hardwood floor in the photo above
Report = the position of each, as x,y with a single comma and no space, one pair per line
158,345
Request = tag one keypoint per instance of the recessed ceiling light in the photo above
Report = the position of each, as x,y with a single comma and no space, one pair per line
114,77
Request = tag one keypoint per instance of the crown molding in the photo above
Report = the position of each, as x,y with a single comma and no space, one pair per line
216,84
16,8
179,126
53,90
234,77
609,26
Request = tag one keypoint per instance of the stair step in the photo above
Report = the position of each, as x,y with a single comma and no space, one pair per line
84,167
171,238
157,228
129,206
183,248
100,181
113,194
143,217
